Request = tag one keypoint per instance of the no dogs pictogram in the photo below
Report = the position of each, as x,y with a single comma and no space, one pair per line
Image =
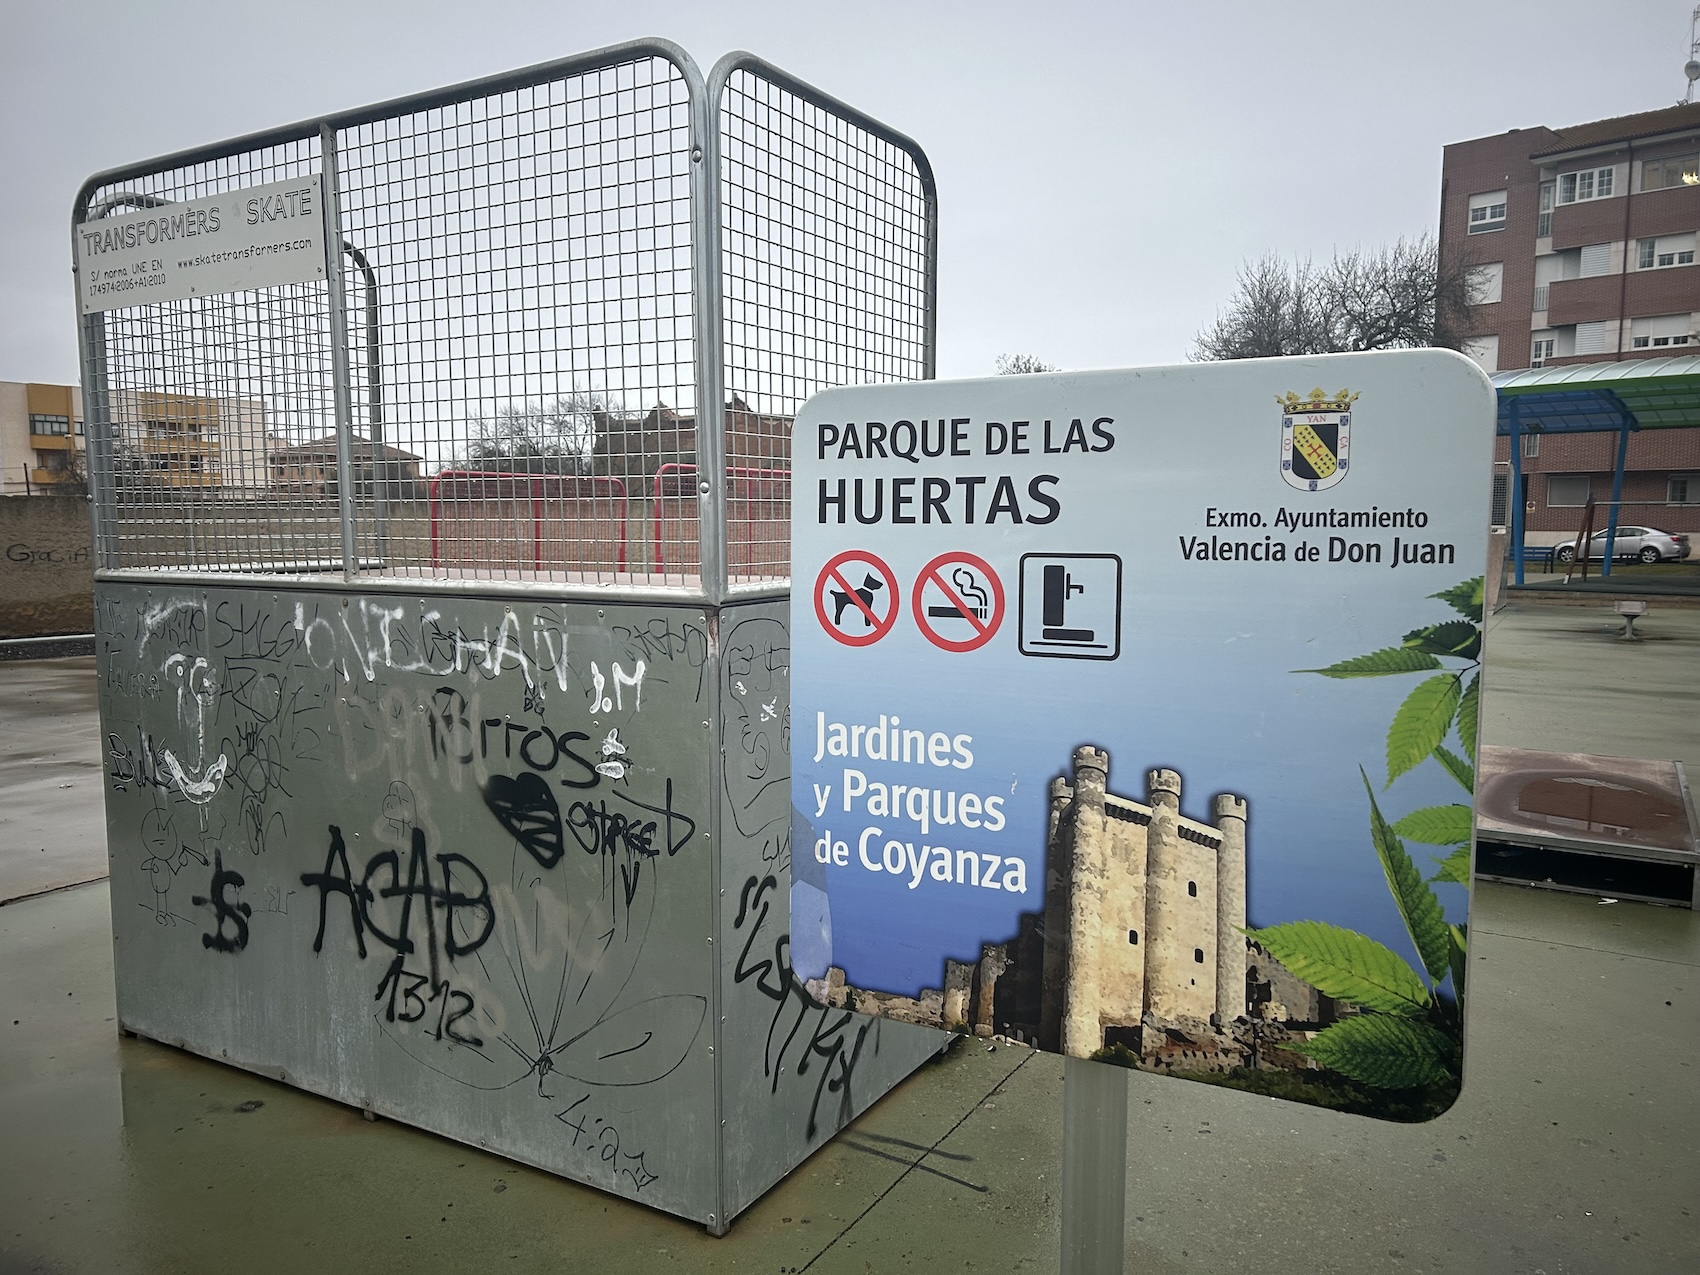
958,602
856,598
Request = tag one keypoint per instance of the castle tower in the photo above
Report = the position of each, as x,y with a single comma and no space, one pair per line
1229,813
1087,901
1059,864
1180,910
1120,932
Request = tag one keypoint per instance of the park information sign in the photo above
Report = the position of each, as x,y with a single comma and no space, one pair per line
1135,714
255,237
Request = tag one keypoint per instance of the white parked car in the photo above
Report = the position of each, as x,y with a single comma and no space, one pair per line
1646,543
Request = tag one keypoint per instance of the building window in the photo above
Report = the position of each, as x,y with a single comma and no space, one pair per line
1531,446
1486,282
1666,250
1592,260
1487,212
1198,955
1192,889
41,423
1591,338
1133,937
1661,331
1484,350
1543,220
1660,174
1590,183
1539,353
1567,491
1683,490
78,428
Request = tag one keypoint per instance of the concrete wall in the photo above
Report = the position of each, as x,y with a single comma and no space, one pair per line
46,567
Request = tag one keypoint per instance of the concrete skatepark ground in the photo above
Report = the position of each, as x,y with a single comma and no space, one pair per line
1575,1146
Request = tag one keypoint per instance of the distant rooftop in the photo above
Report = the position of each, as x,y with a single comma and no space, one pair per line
1624,128
322,448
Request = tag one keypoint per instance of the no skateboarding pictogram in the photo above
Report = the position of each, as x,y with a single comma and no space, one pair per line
958,602
856,598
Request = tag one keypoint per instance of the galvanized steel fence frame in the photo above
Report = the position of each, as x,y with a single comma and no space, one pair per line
812,261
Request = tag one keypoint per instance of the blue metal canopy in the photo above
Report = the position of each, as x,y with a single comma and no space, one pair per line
1662,393
1589,398
1578,411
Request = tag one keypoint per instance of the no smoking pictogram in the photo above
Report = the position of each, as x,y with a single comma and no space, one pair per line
958,602
856,598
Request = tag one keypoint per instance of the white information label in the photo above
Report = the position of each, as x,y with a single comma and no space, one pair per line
256,237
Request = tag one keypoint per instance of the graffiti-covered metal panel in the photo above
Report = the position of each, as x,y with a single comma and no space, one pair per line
793,1072
447,860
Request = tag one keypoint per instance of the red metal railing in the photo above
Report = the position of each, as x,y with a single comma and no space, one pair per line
546,494
741,529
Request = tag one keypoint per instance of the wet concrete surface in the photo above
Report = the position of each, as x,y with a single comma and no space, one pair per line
1559,680
52,812
1574,1147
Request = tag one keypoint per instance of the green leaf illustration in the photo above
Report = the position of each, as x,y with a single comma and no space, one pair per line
1460,951
1458,638
1436,826
1457,767
1455,867
1464,598
1467,714
1421,723
1382,663
1424,921
1380,1050
1347,966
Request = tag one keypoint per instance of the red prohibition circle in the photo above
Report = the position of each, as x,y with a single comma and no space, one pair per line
849,598
984,630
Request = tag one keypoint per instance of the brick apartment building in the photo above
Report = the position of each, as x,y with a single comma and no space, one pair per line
1581,243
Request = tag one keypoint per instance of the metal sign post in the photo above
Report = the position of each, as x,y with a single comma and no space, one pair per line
1094,1174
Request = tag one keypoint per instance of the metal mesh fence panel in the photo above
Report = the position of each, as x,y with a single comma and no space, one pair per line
503,373
826,258
530,252
198,392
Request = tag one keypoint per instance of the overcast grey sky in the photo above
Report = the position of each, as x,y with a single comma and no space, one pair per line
1103,169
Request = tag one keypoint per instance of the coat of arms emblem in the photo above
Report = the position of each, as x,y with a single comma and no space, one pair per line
1316,431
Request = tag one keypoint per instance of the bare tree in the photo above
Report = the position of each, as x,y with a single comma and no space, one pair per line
1021,365
538,437
1396,297
76,480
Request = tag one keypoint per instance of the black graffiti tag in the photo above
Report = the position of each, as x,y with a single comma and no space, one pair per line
469,917
774,979
225,908
526,807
